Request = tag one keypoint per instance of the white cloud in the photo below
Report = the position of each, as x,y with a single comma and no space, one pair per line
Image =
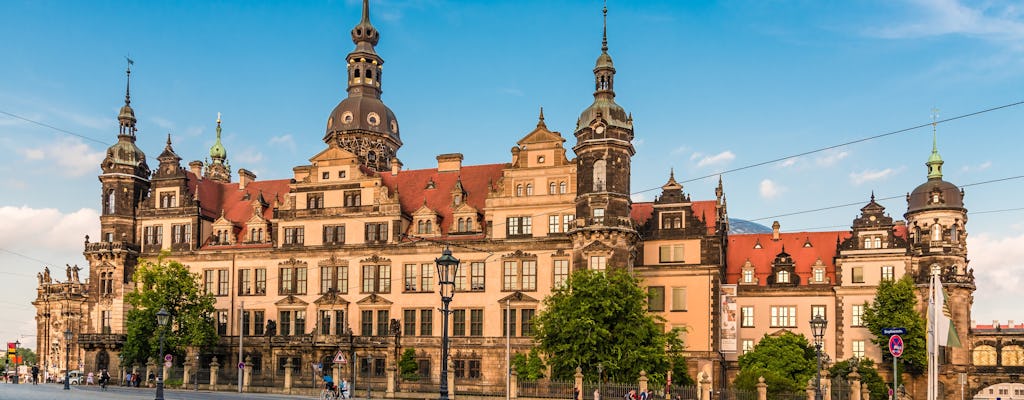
511,91
769,189
789,162
679,150
639,197
997,272
980,167
73,156
721,158
831,158
987,20
249,156
869,175
285,140
162,122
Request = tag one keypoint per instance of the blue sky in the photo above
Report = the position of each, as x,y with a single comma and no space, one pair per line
711,86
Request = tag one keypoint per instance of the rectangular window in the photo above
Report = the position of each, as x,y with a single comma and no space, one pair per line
460,279
458,322
567,222
476,322
426,322
748,345
376,232
342,273
383,321
208,281
818,310
292,280
460,368
748,275
294,235
670,253
339,322
334,234
376,279
553,224
257,322
510,275
181,234
888,273
300,322
244,282
245,322
747,317
410,277
599,215
327,279
858,348
427,277
598,263
477,276
519,226
508,316
529,272
223,283
261,281
858,274
474,369
656,298
857,315
526,316
222,323
105,321
783,317
679,299
286,323
561,272
409,317
325,322
819,274
366,323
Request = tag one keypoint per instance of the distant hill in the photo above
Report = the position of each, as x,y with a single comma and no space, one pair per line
739,226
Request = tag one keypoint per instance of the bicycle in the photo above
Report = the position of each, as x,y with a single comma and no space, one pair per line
329,394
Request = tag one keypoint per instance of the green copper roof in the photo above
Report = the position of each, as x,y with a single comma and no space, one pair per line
935,160
217,152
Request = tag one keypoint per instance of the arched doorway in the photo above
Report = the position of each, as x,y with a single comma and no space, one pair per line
102,360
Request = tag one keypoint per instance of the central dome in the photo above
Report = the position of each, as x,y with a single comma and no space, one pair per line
935,194
363,113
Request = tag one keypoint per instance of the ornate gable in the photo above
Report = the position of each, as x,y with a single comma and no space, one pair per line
291,301
331,298
374,300
517,298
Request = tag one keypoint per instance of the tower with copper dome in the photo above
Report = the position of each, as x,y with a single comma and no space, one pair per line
362,123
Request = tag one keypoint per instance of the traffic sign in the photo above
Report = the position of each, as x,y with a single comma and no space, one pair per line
896,345
339,358
167,364
241,365
894,331
168,357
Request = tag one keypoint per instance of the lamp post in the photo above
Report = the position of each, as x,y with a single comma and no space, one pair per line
162,318
447,270
16,361
600,374
818,324
67,359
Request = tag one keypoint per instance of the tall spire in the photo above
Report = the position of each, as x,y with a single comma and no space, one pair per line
540,119
935,162
604,34
126,117
364,32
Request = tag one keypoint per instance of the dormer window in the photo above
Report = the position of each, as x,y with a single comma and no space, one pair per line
819,274
782,277
935,198
748,275
457,199
425,227
671,221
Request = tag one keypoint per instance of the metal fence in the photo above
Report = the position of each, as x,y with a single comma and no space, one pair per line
546,389
734,394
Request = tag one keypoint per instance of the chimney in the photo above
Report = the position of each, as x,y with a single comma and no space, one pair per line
244,178
775,230
197,168
395,166
449,162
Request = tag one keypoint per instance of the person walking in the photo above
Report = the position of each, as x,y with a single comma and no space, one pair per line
35,374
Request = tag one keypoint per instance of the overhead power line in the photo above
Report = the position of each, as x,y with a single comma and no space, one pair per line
43,124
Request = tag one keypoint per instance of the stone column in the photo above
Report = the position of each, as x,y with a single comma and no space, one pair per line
854,379
187,372
810,389
513,386
864,392
643,382
578,381
705,389
762,389
826,385
392,375
288,375
214,370
247,373
451,379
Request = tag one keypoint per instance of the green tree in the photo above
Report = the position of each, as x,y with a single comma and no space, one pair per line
167,284
868,374
895,306
601,317
407,364
528,367
786,362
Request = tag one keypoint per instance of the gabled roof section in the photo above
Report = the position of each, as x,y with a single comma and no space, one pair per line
518,297
704,209
541,135
823,246
215,197
374,299
411,187
332,153
291,300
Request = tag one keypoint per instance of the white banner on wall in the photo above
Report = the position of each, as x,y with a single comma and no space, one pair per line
729,315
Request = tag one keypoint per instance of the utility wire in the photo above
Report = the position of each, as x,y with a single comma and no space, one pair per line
54,128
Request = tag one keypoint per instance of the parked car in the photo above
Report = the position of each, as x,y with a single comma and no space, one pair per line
75,377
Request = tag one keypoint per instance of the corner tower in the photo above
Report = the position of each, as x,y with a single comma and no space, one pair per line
604,233
125,178
361,123
937,220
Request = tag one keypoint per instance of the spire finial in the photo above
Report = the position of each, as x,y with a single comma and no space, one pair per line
604,34
128,85
935,160
672,173
168,139
872,195
540,118
366,11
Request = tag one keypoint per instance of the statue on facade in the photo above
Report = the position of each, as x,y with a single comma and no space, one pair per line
271,328
39,275
46,275
74,273
68,271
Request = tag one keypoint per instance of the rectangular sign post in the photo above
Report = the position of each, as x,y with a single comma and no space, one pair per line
896,349
893,331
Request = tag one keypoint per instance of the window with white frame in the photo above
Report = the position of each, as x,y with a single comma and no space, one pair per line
782,277
748,275
818,310
553,224
857,315
598,263
748,345
747,317
888,273
819,274
783,317
561,272
858,348
517,226
679,299
519,275
670,253
567,222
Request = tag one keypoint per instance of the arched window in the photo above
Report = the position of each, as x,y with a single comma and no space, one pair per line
867,243
529,189
954,234
369,74
917,234
110,201
1013,356
356,73
936,232
600,174
469,224
984,355
519,190
561,187
782,277
430,227
462,225
677,222
551,188
878,242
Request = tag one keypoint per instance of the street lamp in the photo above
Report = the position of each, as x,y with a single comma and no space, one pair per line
447,269
600,374
67,361
162,318
818,324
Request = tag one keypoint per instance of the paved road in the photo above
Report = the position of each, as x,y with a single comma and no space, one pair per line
57,392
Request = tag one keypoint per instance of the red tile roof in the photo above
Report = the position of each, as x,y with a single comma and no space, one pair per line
823,246
412,188
642,212
215,197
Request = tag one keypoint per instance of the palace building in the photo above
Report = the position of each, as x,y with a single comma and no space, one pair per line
340,255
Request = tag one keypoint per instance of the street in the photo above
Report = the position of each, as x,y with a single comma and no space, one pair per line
56,391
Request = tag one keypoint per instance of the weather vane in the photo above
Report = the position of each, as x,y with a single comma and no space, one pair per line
935,116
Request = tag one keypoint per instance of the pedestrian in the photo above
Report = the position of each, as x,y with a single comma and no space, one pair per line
575,393
35,374
151,381
597,394
89,380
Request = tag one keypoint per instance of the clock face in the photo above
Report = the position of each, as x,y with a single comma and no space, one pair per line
599,129
346,117
872,218
373,119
